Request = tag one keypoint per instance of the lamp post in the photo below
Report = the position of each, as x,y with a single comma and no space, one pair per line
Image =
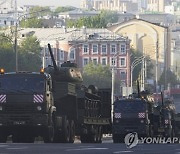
133,65
112,85
16,31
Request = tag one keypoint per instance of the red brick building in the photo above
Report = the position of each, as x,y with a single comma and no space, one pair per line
83,46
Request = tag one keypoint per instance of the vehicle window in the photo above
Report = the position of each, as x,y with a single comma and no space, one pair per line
32,84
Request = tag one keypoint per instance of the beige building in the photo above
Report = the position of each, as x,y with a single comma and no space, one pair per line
150,39
114,5
156,5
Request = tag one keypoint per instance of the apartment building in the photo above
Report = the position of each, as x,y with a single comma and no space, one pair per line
83,46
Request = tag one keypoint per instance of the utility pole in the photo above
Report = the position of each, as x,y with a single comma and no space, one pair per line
157,56
15,37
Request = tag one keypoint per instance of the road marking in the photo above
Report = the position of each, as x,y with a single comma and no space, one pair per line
87,149
17,148
122,151
1,146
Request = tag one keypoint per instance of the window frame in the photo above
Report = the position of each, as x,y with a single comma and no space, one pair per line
103,53
120,59
102,61
87,52
124,49
83,61
93,48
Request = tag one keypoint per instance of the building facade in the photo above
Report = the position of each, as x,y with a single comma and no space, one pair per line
151,39
83,46
114,5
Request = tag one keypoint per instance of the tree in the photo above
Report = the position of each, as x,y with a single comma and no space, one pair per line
137,70
33,22
63,9
170,78
98,21
7,55
34,18
29,54
99,76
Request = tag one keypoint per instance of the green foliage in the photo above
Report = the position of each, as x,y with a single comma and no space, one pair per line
39,11
170,77
33,22
7,55
98,21
99,76
63,9
137,70
28,54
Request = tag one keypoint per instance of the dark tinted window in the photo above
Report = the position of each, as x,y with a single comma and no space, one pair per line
130,106
22,83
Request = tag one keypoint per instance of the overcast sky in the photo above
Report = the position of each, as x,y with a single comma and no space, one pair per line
49,2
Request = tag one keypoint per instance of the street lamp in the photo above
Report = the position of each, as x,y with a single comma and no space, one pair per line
16,31
133,65
112,88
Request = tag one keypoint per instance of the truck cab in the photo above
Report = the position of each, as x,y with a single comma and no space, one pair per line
131,115
26,106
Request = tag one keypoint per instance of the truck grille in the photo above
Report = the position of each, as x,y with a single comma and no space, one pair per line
19,108
129,122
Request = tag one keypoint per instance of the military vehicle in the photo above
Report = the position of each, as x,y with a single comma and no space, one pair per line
163,118
140,113
133,114
53,104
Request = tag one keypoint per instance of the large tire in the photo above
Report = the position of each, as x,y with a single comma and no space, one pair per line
118,138
66,132
85,138
49,133
99,135
3,137
72,132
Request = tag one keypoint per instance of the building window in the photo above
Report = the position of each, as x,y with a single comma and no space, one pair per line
104,49
123,49
113,61
122,62
113,48
95,49
85,49
85,61
95,60
104,60
61,55
123,75
72,54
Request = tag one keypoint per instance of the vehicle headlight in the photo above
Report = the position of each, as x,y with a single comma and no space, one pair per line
1,108
142,121
39,108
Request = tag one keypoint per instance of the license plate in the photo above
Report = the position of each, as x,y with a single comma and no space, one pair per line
19,122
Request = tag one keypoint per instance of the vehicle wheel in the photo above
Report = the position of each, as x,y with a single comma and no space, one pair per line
99,135
3,137
49,134
66,132
72,132
116,138
84,138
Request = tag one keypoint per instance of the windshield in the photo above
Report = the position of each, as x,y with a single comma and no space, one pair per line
130,106
22,84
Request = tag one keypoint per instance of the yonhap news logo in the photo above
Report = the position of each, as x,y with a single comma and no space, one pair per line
131,140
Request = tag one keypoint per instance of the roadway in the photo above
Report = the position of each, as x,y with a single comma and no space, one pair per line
107,147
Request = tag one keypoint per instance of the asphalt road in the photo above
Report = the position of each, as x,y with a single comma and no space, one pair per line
107,147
